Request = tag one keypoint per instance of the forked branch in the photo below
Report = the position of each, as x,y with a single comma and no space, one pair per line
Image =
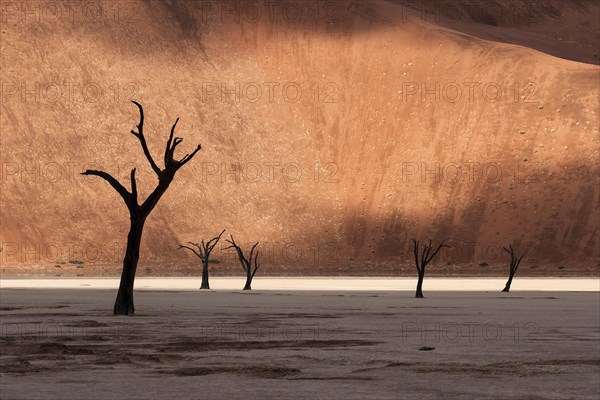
515,260
140,135
250,265
426,255
130,198
421,261
172,143
202,250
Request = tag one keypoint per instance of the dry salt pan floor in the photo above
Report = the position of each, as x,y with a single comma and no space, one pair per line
269,344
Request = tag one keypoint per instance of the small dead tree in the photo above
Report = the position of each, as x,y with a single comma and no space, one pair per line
139,212
202,251
247,263
422,262
515,261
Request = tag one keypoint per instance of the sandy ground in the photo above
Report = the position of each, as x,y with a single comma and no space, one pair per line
312,283
294,344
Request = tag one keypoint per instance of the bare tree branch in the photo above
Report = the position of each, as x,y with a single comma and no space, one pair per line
198,247
416,252
256,265
438,249
112,181
176,142
203,253
134,194
140,135
169,149
213,242
252,250
181,246
246,262
188,157
239,251
426,257
515,261
172,143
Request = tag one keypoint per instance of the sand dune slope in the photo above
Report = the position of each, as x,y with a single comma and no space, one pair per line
333,135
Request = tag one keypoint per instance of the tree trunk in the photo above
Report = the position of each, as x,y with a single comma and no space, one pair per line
248,285
124,302
419,293
507,287
205,284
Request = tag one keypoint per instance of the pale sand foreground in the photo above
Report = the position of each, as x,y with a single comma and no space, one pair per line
276,344
312,283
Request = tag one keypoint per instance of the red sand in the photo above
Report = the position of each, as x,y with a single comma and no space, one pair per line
345,135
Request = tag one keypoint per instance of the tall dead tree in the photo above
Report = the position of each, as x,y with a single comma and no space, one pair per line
202,251
139,212
423,260
247,263
515,261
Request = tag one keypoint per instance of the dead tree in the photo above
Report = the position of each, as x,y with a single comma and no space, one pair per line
422,262
202,251
247,263
139,212
515,261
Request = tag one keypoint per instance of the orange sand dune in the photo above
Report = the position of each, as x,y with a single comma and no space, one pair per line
332,132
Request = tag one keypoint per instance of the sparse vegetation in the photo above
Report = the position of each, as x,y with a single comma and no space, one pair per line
202,251
422,261
139,212
515,261
247,263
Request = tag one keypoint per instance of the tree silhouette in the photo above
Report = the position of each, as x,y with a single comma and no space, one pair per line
246,262
139,212
202,251
515,261
422,262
